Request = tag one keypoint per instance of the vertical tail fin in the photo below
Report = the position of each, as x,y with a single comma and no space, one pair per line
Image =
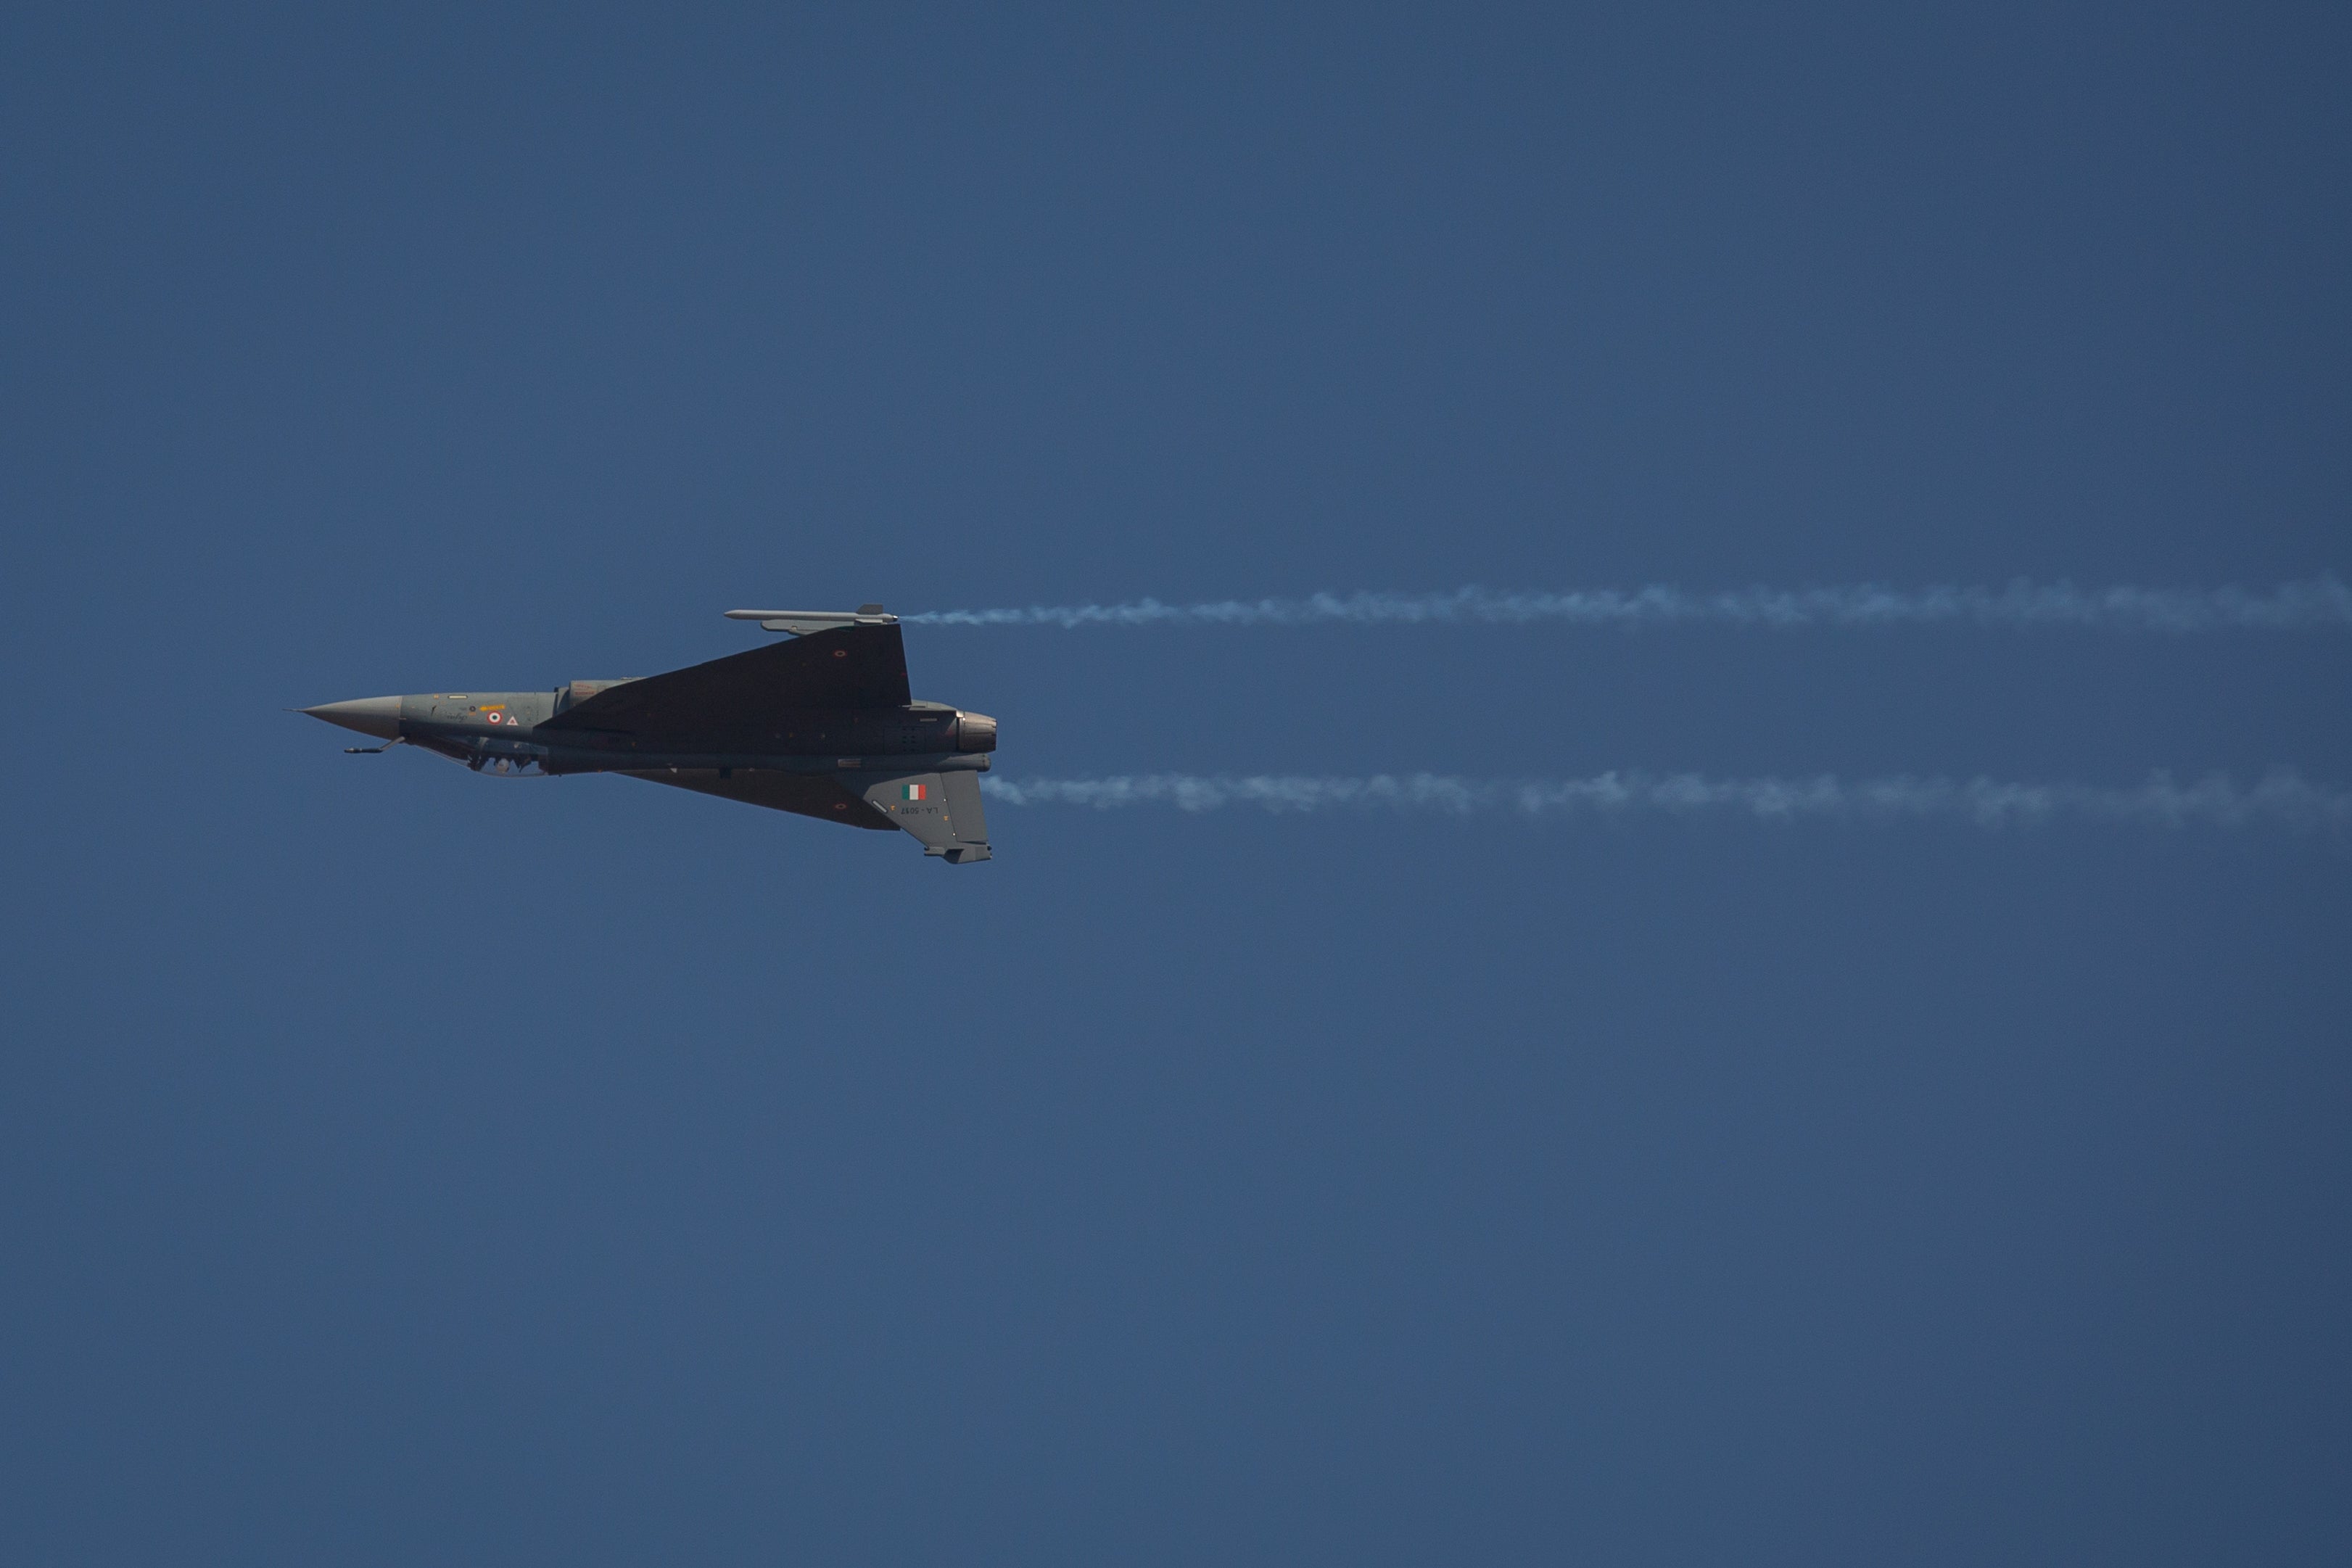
943,810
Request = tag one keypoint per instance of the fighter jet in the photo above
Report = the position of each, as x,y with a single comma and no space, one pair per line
821,724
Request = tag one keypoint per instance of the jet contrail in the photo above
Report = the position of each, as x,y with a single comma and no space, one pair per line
2282,800
2320,602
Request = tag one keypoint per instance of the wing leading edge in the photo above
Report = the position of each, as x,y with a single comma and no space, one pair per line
942,812
837,671
806,794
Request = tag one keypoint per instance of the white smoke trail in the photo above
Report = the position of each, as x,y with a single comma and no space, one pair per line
2322,602
2282,799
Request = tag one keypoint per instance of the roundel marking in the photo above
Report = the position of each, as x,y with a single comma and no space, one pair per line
841,653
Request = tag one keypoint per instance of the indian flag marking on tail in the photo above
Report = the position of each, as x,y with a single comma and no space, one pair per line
912,791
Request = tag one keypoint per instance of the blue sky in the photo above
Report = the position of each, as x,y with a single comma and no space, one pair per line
403,1166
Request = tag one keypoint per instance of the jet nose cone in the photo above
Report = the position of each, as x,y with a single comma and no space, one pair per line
377,716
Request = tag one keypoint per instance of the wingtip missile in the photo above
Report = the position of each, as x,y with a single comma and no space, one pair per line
800,623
